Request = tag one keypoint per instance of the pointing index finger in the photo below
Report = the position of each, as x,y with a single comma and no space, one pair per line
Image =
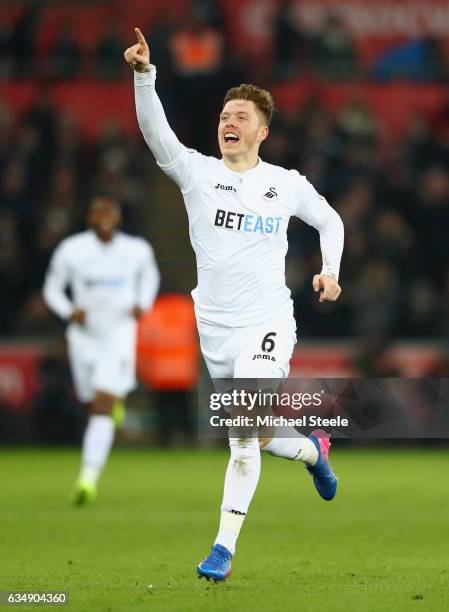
140,37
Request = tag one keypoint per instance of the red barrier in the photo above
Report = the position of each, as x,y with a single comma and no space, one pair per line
94,104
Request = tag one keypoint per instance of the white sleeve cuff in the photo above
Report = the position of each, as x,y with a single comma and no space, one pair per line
145,78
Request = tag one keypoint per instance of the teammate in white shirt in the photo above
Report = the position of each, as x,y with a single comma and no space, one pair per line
238,209
113,279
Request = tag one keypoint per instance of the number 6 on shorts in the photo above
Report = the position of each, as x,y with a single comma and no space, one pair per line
268,342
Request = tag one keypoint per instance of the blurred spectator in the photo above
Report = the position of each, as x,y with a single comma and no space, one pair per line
48,233
432,212
290,49
42,118
15,197
6,61
440,119
6,133
117,169
57,416
420,144
22,40
196,49
445,312
358,123
34,319
68,146
197,57
168,362
109,53
375,298
160,36
333,52
210,11
392,237
421,310
12,272
65,55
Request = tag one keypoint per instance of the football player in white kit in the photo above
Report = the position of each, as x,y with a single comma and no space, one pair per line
113,278
238,209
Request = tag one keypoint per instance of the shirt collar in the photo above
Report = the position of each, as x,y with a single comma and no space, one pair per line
100,242
255,170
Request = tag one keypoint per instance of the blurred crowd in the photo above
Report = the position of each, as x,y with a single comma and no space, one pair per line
48,172
394,201
393,195
199,40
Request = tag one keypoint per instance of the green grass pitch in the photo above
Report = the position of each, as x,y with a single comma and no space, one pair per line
381,545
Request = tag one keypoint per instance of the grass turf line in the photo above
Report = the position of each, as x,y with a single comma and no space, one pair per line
381,545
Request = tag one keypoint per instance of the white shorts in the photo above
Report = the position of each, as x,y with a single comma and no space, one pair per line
257,351
105,364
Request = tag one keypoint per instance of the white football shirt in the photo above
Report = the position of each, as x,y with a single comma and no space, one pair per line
106,279
237,222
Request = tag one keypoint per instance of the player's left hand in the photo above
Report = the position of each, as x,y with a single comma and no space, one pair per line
138,55
137,312
328,286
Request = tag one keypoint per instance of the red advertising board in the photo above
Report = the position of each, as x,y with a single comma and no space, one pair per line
336,360
19,375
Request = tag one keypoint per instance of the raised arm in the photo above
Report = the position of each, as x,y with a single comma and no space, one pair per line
153,123
315,211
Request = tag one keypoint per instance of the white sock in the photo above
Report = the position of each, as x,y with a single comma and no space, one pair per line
295,446
97,442
228,532
240,484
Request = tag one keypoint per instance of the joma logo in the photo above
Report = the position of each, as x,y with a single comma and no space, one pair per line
259,356
225,187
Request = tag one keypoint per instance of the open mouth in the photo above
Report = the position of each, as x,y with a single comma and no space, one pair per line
230,137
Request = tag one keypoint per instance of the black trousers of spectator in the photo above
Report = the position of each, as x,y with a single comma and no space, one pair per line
173,409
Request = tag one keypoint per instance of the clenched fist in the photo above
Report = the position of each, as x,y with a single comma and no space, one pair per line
138,56
329,287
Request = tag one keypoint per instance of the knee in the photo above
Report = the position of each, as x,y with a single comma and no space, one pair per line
243,449
245,455
102,405
263,442
100,410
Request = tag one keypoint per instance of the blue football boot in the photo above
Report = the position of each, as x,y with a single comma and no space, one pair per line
217,566
324,478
